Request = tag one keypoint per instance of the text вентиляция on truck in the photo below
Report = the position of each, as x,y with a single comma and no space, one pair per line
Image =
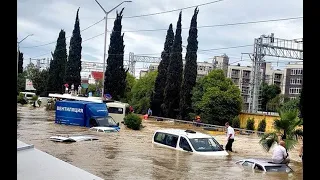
84,113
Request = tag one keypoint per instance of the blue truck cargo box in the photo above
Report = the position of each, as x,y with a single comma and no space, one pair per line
78,113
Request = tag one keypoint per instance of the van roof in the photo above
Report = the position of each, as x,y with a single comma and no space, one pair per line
80,102
180,132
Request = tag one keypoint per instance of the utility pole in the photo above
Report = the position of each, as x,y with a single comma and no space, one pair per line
105,39
18,48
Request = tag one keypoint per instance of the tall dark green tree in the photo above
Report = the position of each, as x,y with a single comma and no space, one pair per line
74,60
160,83
20,62
174,76
268,92
190,69
57,68
115,75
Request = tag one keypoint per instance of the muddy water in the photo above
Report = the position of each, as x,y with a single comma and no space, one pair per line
131,155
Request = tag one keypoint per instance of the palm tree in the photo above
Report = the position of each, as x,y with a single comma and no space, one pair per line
286,127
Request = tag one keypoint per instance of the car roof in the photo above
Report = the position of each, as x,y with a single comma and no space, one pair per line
181,132
263,162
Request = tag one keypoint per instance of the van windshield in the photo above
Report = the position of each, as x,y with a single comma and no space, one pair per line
205,144
106,122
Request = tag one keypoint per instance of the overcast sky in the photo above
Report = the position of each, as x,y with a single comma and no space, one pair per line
45,19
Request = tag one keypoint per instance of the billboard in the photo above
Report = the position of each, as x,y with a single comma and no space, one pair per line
29,85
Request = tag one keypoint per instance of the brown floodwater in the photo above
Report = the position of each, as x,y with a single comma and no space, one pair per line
130,154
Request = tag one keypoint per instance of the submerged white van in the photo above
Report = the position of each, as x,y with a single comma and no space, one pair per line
188,140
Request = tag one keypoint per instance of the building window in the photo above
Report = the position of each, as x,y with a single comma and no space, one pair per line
297,81
296,71
292,98
294,90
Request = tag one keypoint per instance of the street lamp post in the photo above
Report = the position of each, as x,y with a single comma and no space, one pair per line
105,39
18,43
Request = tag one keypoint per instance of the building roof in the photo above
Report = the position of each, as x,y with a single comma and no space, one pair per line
97,75
34,164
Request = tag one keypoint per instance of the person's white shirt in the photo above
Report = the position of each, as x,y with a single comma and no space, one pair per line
279,154
230,130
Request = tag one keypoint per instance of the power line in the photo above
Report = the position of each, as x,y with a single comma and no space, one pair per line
67,36
206,26
169,11
143,15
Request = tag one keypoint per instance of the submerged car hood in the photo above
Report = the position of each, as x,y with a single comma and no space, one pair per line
73,138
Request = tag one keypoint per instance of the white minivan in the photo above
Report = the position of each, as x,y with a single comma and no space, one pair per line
188,140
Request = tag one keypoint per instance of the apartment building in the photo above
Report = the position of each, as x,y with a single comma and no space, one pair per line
203,69
272,76
221,62
293,80
241,75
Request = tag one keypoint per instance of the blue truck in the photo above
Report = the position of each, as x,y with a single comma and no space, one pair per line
84,113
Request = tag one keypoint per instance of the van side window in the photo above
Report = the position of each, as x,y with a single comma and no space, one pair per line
159,137
115,110
171,140
166,139
184,143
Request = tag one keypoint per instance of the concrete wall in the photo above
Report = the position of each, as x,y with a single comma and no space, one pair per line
257,118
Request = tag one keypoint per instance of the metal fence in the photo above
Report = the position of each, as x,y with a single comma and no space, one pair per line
209,126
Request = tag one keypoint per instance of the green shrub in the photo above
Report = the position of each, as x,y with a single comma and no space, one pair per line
133,121
236,122
21,99
262,125
250,124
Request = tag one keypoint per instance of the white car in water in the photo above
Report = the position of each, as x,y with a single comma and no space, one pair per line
188,140
265,165
103,129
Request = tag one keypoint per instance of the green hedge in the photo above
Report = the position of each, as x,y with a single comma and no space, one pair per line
133,121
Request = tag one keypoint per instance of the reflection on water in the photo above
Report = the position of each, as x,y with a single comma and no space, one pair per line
131,155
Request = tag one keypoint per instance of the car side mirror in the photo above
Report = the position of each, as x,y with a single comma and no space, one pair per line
118,124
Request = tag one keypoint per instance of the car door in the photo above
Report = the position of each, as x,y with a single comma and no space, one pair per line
184,144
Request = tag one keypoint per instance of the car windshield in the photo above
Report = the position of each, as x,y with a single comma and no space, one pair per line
277,169
106,122
205,144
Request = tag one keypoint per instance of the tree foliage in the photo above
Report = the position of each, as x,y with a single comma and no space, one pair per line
115,75
160,83
39,78
190,70
58,65
133,121
235,122
20,62
268,92
21,82
142,91
250,124
174,76
262,125
74,59
274,104
216,99
130,82
286,127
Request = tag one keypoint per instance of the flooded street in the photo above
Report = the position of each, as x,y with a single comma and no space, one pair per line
130,154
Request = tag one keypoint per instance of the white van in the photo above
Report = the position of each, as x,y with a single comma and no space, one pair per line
117,110
188,140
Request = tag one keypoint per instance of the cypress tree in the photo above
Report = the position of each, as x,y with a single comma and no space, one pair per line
115,75
58,65
160,82
190,69
174,76
20,62
74,60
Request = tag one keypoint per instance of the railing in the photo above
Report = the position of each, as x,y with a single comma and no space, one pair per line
211,126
